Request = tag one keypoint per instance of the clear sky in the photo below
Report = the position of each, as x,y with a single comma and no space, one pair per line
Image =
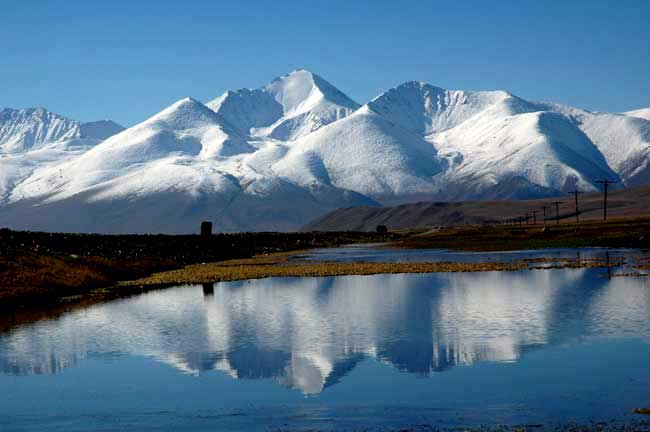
126,60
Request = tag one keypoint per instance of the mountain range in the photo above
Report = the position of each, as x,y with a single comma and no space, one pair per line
276,157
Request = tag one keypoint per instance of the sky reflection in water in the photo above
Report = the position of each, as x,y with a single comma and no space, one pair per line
545,345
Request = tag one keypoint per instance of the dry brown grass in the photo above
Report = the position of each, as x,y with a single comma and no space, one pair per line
41,278
43,268
54,285
218,272
279,265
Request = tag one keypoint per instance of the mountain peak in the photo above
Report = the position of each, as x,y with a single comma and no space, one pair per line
417,84
183,113
424,108
302,87
290,106
186,102
297,74
276,156
28,128
7,112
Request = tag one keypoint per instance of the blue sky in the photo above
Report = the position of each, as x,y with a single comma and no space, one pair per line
126,60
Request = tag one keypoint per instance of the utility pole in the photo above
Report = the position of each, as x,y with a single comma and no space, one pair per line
544,207
557,212
605,183
575,194
534,217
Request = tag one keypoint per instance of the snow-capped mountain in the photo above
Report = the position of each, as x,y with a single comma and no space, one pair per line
288,108
184,164
276,157
35,138
500,146
28,129
367,153
426,109
623,140
643,113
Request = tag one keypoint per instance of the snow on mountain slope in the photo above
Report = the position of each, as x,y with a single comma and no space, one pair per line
643,113
16,167
185,129
173,196
288,108
33,138
541,153
276,157
623,140
179,167
625,143
26,129
425,109
365,153
497,143
247,108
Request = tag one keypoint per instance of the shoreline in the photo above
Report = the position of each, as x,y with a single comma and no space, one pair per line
43,268
42,274
281,264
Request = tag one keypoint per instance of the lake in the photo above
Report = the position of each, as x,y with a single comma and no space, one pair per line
446,350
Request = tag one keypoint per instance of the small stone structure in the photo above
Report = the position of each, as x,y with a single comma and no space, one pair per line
206,229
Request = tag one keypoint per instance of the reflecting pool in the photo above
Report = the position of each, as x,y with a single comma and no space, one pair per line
406,350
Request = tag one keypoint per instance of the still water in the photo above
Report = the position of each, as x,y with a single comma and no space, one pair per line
386,351
379,253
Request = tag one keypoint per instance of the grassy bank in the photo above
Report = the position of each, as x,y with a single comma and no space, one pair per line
280,265
41,268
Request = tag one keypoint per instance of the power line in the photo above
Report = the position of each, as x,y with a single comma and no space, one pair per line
605,184
575,193
557,212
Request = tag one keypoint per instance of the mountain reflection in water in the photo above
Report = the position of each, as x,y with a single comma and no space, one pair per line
308,333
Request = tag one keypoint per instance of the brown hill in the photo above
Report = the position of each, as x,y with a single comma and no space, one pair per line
631,202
